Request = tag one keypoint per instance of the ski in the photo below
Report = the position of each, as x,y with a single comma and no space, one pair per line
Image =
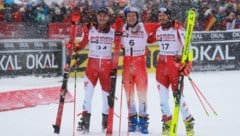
111,97
185,57
75,18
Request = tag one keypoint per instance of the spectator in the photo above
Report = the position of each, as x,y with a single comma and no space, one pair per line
1,15
40,16
1,4
29,15
67,16
57,16
237,20
230,21
7,17
17,15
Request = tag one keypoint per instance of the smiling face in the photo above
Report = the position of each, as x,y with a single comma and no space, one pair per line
163,18
102,18
131,18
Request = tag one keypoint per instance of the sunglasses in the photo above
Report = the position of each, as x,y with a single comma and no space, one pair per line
162,10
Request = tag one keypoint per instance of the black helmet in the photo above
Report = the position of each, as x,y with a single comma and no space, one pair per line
166,11
104,10
171,16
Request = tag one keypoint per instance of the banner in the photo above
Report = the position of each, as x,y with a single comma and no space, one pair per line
26,57
23,31
61,30
216,50
202,36
17,99
216,56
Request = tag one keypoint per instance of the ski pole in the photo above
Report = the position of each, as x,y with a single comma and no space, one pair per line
120,116
75,86
199,99
197,91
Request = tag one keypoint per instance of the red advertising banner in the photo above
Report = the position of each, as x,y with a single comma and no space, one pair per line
61,30
17,99
19,30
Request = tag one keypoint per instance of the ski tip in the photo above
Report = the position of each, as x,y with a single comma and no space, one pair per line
56,129
192,9
207,114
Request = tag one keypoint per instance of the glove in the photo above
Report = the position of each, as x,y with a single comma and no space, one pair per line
113,72
177,25
85,28
73,46
151,38
82,44
70,45
186,69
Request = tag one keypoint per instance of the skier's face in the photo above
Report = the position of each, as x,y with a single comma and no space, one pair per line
163,18
131,18
102,18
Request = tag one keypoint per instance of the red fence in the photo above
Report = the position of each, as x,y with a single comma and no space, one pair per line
23,30
35,30
60,30
44,31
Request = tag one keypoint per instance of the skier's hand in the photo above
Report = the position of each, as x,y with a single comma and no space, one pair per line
177,25
70,45
151,38
73,47
186,69
113,72
85,29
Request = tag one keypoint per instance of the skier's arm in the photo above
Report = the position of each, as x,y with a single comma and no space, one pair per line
83,43
151,29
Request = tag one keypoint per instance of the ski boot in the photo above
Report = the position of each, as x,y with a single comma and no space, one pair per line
166,128
143,124
189,125
133,123
84,124
104,122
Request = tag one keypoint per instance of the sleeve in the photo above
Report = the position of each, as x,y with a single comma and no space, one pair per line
151,29
83,43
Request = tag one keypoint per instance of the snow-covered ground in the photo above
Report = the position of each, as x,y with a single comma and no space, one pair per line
221,89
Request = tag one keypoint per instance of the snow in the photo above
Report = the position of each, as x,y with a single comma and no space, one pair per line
221,89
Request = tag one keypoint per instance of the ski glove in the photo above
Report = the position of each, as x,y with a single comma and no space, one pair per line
185,71
151,38
82,44
69,45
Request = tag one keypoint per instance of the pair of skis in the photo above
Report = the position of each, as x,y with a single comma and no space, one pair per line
185,57
75,18
111,97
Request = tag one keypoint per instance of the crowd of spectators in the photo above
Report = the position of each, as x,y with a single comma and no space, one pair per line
224,13
41,13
